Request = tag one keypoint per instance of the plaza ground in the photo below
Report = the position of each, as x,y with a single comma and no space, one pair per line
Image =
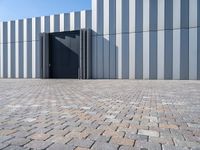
99,114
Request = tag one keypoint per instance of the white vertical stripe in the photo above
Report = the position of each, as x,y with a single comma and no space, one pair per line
161,39
33,48
94,16
72,21
62,22
25,48
1,49
146,15
132,55
160,54
83,19
132,15
17,49
118,16
193,53
193,13
161,14
119,37
146,39
145,55
176,38
42,24
176,54
176,14
52,23
1,59
9,49
106,16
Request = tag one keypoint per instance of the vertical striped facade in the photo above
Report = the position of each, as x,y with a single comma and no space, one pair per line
20,54
146,39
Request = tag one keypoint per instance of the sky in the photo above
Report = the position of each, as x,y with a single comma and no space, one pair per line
19,9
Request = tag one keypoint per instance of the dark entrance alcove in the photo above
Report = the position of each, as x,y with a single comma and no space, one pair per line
66,55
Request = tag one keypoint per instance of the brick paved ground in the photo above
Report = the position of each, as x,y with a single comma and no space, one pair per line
99,115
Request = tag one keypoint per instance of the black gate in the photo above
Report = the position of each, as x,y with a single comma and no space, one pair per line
66,55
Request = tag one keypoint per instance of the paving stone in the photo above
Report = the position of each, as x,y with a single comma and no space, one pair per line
3,145
81,143
18,141
39,136
149,133
35,144
126,147
122,141
172,147
102,111
104,146
136,137
147,145
15,148
61,147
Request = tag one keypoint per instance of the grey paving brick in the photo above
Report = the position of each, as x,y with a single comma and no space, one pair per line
104,146
81,143
61,147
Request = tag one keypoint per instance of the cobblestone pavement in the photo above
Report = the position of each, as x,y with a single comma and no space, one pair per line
99,115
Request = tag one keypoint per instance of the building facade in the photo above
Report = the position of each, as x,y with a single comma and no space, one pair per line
131,39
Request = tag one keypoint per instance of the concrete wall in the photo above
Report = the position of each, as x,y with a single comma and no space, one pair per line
20,41
146,39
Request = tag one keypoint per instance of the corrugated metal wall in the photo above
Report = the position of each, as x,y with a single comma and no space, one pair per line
146,39
20,41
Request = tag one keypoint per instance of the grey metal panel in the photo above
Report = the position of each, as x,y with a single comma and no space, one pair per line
184,13
38,59
153,55
139,55
12,60
112,55
153,15
193,13
38,28
77,21
5,33
12,31
5,60
198,13
29,59
168,59
100,60
29,30
184,59
125,16
94,57
66,21
88,19
125,56
56,23
20,33
112,16
100,17
106,56
193,53
139,16
176,14
21,60
198,53
168,14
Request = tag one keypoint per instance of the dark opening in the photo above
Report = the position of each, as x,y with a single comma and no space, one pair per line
64,49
